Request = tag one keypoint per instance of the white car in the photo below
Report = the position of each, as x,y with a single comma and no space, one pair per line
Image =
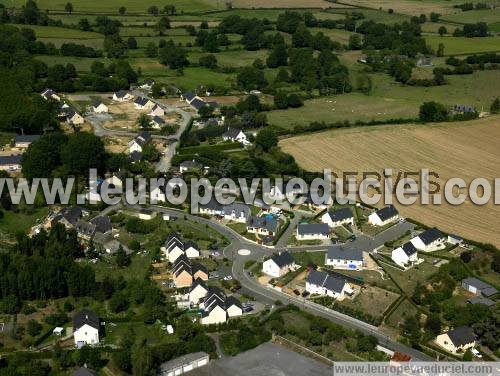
228,277
476,353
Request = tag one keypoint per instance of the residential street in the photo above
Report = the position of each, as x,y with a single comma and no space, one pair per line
265,294
97,121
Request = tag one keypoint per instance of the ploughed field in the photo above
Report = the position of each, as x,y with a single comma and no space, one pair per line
466,150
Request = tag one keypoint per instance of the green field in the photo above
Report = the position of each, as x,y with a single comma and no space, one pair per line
133,6
463,46
370,14
60,32
484,15
390,99
238,58
337,35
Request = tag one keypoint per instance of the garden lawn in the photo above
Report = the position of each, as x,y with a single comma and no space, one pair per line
305,258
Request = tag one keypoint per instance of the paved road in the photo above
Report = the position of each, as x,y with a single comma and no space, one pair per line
98,120
266,294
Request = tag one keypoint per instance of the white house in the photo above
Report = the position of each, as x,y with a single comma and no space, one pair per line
10,162
457,340
189,165
214,307
86,328
157,122
174,248
405,255
233,307
335,218
279,265
141,103
429,240
146,214
147,85
341,258
157,111
50,94
198,291
191,249
455,239
122,96
322,283
99,107
138,142
217,307
383,216
313,231
235,135
24,141
73,117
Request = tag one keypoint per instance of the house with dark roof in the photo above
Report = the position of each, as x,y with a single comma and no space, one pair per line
478,287
99,107
344,258
198,103
73,117
135,156
405,255
23,141
142,103
339,217
312,231
139,142
235,135
86,328
457,340
383,216
322,283
50,94
122,96
218,308
11,163
266,225
69,216
237,211
463,109
98,225
212,208
157,111
188,96
157,122
279,265
430,240
174,247
198,291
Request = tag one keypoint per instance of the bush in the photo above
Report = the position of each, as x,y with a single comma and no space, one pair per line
432,112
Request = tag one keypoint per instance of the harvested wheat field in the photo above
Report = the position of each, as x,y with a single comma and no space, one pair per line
466,150
284,4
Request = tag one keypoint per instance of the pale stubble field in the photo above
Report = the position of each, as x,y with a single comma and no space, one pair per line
467,150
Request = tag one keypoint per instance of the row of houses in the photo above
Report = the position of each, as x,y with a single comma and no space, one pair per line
174,247
266,225
407,254
185,272
65,111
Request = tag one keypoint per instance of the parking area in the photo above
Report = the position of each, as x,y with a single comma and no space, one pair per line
266,359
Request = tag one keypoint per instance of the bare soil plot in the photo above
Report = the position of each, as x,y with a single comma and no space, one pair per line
372,300
467,150
116,144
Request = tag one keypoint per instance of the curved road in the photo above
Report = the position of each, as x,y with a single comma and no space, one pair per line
163,165
258,252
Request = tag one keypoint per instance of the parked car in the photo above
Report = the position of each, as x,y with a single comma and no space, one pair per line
247,309
476,353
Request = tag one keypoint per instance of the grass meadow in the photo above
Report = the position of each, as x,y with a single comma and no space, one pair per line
464,46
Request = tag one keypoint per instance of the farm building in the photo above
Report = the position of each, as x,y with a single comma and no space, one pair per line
183,364
478,287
